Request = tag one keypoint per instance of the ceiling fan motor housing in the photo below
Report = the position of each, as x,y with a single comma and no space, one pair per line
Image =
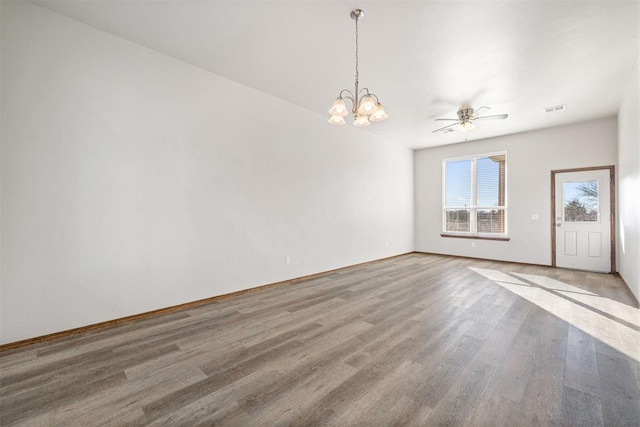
465,114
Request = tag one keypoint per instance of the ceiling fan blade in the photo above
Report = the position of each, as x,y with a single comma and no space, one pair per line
475,112
446,127
446,120
495,117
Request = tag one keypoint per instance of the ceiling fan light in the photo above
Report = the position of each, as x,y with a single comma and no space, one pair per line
466,126
379,115
361,121
367,105
339,108
337,120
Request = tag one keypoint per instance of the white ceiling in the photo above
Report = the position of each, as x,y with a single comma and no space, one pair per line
424,59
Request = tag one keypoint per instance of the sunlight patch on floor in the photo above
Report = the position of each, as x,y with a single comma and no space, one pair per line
613,323
612,307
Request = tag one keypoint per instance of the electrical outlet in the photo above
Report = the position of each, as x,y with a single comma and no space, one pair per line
387,244
473,244
287,260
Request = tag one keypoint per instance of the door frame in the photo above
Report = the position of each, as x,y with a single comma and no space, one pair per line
612,209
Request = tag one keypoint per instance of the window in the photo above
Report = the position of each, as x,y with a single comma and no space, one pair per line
474,195
581,201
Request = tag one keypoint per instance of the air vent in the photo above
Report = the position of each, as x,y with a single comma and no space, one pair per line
555,108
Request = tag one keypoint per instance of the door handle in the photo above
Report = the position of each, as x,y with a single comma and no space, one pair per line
559,222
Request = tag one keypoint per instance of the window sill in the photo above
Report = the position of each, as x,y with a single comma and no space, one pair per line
501,238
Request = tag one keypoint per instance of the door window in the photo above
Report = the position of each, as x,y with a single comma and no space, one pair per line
580,201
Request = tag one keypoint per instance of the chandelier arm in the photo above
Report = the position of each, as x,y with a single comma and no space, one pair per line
350,96
365,92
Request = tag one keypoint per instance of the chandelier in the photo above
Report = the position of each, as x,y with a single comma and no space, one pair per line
366,106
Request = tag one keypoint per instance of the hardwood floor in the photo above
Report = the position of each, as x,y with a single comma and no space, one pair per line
415,340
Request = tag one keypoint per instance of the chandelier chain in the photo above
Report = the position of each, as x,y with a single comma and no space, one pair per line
357,74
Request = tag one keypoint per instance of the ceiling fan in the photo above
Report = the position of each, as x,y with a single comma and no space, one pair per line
466,117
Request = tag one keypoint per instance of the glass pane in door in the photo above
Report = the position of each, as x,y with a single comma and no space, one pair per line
580,201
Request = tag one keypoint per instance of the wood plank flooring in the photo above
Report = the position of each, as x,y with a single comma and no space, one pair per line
417,340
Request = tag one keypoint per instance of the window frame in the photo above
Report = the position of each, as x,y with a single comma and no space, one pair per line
474,208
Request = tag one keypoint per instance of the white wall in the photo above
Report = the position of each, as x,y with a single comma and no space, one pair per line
531,157
629,186
1,143
132,181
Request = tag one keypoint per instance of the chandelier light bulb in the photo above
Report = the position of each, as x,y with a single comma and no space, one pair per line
379,114
337,120
367,105
338,108
361,121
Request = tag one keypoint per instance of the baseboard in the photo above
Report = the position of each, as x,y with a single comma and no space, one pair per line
174,308
482,259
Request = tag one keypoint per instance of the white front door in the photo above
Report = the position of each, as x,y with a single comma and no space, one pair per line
583,220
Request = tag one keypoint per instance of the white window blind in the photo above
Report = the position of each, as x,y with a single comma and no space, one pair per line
474,195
